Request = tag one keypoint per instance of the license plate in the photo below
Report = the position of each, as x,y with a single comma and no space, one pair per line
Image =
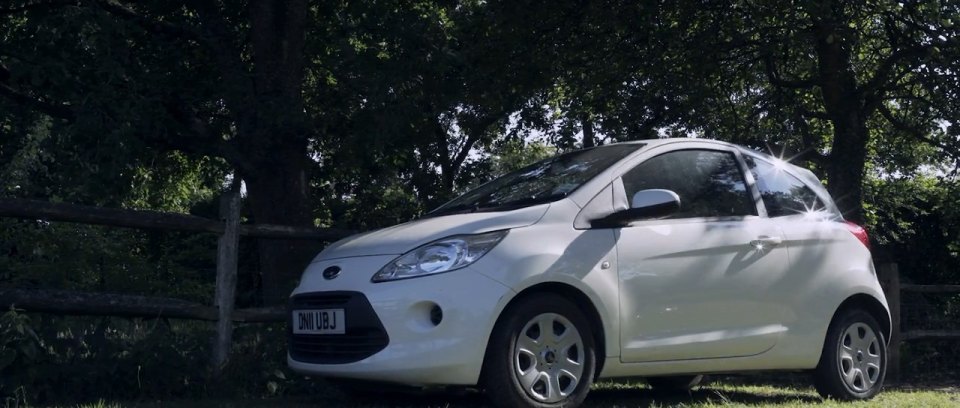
327,321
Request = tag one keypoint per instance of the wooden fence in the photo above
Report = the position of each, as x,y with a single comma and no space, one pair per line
889,276
228,228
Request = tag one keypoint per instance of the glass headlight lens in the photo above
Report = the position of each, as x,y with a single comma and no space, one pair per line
439,256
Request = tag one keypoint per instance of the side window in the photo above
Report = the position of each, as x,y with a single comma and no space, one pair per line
709,183
782,193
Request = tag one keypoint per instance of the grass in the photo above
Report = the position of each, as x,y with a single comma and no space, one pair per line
607,394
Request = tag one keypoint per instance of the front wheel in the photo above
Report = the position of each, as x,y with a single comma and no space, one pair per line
541,354
854,358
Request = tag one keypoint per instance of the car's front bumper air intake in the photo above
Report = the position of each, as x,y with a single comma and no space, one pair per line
364,334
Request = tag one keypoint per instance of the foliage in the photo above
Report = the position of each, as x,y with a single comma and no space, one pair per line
367,114
83,257
386,110
513,154
916,223
83,359
20,350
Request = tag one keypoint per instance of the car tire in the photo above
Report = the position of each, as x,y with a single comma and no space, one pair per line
853,363
541,354
674,384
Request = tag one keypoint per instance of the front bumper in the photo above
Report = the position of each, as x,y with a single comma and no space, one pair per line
414,350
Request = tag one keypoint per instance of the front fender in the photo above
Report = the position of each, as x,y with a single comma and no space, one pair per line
584,260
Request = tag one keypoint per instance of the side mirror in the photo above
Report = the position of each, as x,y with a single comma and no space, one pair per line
645,205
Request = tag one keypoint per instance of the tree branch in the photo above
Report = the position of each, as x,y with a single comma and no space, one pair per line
885,73
814,114
917,133
241,91
38,6
157,27
213,35
775,79
196,136
475,133
60,111
809,141
465,150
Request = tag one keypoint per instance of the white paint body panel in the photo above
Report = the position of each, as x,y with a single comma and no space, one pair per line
672,296
675,277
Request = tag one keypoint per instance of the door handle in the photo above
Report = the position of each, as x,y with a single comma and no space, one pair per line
765,241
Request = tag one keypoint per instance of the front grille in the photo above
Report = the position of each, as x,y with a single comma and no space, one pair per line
364,334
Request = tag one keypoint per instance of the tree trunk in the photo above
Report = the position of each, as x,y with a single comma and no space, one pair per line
589,140
844,104
278,194
845,165
273,132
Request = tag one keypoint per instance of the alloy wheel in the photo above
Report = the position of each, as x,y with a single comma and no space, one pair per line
549,357
858,357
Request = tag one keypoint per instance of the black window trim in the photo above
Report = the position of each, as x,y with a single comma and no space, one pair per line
790,171
741,165
752,183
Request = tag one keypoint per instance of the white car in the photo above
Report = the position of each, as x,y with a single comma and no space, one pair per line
664,259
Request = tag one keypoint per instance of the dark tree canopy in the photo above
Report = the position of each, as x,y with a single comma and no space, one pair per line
365,114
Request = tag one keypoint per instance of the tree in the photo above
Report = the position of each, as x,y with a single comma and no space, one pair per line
849,77
306,103
327,102
833,81
208,79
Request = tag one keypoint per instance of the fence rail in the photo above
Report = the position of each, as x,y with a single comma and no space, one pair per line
156,220
889,275
228,228
68,302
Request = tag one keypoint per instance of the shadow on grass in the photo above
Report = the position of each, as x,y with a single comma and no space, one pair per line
649,398
603,397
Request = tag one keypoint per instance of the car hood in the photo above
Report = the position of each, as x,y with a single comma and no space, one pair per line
401,238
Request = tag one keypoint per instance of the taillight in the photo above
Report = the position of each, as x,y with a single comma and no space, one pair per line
859,232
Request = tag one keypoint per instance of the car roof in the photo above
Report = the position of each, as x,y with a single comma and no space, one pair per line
807,174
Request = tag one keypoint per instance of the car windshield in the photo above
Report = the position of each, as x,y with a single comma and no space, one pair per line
542,182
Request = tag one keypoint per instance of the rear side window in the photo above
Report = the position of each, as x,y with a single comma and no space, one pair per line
709,183
782,193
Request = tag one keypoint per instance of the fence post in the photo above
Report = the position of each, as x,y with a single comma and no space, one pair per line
890,275
227,251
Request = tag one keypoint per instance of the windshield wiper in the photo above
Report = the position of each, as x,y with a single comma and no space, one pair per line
523,202
480,206
457,209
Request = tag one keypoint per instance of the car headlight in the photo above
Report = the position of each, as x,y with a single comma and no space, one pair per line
443,255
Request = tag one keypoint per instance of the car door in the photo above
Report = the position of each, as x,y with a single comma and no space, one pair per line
812,235
694,285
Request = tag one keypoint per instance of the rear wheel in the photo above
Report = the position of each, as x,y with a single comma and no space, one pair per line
541,354
853,363
676,383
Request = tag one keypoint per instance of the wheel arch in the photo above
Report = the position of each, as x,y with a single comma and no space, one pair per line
831,383
871,305
581,300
